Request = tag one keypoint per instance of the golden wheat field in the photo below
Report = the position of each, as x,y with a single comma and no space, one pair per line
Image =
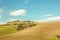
42,31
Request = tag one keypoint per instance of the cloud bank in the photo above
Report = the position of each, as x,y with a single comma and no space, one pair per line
1,23
50,19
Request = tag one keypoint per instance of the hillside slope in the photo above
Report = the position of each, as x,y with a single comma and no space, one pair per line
40,32
7,29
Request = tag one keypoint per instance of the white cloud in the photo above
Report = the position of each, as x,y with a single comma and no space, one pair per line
26,1
48,15
1,23
20,12
50,19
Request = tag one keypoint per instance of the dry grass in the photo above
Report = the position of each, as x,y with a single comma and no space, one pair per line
39,32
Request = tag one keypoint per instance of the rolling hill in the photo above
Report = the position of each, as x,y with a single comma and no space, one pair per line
41,31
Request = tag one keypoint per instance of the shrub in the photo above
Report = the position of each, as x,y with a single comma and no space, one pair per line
19,27
25,24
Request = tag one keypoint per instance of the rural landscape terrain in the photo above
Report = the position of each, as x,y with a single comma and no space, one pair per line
40,31
29,19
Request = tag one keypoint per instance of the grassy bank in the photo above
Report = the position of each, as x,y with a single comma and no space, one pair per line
7,29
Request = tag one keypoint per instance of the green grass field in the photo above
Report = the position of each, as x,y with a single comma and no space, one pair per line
7,29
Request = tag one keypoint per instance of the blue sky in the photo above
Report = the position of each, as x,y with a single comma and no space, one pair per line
29,10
